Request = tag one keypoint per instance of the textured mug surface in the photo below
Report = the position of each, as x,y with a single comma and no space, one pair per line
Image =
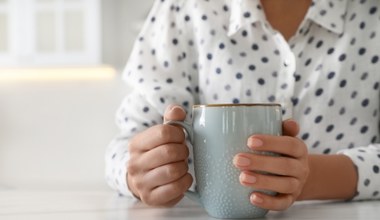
218,133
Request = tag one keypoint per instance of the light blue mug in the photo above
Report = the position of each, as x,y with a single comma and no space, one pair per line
219,132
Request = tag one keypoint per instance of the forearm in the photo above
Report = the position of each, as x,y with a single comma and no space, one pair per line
330,177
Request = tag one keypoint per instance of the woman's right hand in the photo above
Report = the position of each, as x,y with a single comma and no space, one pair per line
158,169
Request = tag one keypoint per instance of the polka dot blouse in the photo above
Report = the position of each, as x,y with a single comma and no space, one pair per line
327,76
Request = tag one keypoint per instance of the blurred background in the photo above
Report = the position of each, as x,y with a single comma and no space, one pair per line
60,86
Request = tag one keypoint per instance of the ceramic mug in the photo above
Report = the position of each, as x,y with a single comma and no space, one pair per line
218,132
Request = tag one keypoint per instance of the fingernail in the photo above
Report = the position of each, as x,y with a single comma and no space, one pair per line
254,142
292,122
173,108
256,199
169,108
246,178
241,161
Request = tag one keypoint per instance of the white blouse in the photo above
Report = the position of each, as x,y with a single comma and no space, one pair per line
224,51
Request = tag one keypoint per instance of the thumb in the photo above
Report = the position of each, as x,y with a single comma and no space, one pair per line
174,113
290,128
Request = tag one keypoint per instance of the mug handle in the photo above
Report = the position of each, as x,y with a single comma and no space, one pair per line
188,128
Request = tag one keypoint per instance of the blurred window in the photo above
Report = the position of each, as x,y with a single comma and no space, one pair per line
50,32
4,27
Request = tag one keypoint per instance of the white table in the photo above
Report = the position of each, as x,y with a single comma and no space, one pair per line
71,205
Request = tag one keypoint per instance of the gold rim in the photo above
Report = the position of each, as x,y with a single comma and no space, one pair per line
239,105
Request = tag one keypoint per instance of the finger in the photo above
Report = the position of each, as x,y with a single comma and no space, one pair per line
275,203
164,154
290,128
280,184
284,145
175,113
156,136
164,194
284,166
173,202
165,174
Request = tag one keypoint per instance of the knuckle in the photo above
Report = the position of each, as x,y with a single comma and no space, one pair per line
168,151
148,199
165,133
177,187
174,170
292,186
188,180
176,152
183,184
139,185
289,164
172,203
132,168
185,150
300,151
132,145
289,202
283,203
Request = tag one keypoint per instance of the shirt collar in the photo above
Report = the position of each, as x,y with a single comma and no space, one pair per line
244,13
328,14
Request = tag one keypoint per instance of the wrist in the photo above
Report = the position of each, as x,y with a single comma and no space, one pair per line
330,177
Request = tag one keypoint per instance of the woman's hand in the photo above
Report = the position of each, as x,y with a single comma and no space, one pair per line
158,169
290,170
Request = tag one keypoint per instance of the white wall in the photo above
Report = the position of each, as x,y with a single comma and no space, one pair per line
54,134
122,20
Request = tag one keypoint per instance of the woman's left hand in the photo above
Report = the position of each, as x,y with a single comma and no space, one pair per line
290,170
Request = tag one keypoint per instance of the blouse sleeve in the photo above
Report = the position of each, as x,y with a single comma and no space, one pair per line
367,163
159,72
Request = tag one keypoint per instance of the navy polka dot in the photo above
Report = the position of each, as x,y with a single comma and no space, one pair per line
329,128
375,169
261,81
319,92
342,57
239,76
375,59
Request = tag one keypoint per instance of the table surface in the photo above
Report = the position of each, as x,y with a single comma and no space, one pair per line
80,205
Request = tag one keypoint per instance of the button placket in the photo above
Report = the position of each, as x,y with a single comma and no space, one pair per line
285,76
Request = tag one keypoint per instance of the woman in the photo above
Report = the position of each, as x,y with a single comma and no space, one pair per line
319,59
